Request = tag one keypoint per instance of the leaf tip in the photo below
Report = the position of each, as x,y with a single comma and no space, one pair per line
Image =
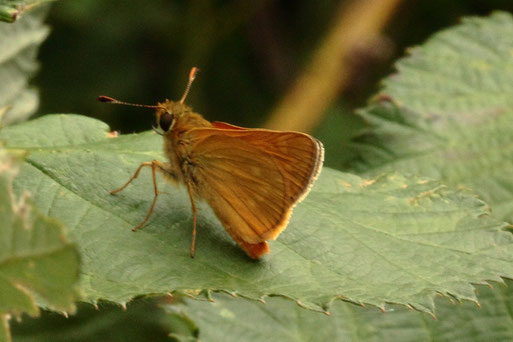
208,296
112,134
366,182
10,16
344,183
383,98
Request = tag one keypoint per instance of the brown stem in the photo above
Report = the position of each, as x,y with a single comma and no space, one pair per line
356,25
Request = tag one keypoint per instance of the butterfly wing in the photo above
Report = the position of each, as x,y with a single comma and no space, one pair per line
224,125
252,178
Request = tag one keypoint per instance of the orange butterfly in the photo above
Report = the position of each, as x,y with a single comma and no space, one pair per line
251,178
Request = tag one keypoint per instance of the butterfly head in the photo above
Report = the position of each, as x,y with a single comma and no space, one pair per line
168,113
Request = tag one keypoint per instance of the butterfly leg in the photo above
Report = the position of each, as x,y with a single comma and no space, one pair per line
193,242
155,166
136,174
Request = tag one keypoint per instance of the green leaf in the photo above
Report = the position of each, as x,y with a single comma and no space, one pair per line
19,44
448,112
228,319
11,10
37,264
141,321
390,239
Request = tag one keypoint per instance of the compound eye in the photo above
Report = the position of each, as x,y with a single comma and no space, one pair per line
166,121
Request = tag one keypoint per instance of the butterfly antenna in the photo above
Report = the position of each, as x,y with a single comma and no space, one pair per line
109,99
192,76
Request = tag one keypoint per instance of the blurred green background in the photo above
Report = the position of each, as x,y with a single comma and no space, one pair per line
249,53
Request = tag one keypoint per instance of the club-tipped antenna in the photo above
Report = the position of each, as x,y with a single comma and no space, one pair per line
109,99
192,76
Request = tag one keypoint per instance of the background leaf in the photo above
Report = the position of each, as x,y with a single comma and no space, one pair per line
448,112
11,10
19,44
389,239
228,319
141,321
38,266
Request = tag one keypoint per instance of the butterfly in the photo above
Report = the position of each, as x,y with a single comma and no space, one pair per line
251,178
